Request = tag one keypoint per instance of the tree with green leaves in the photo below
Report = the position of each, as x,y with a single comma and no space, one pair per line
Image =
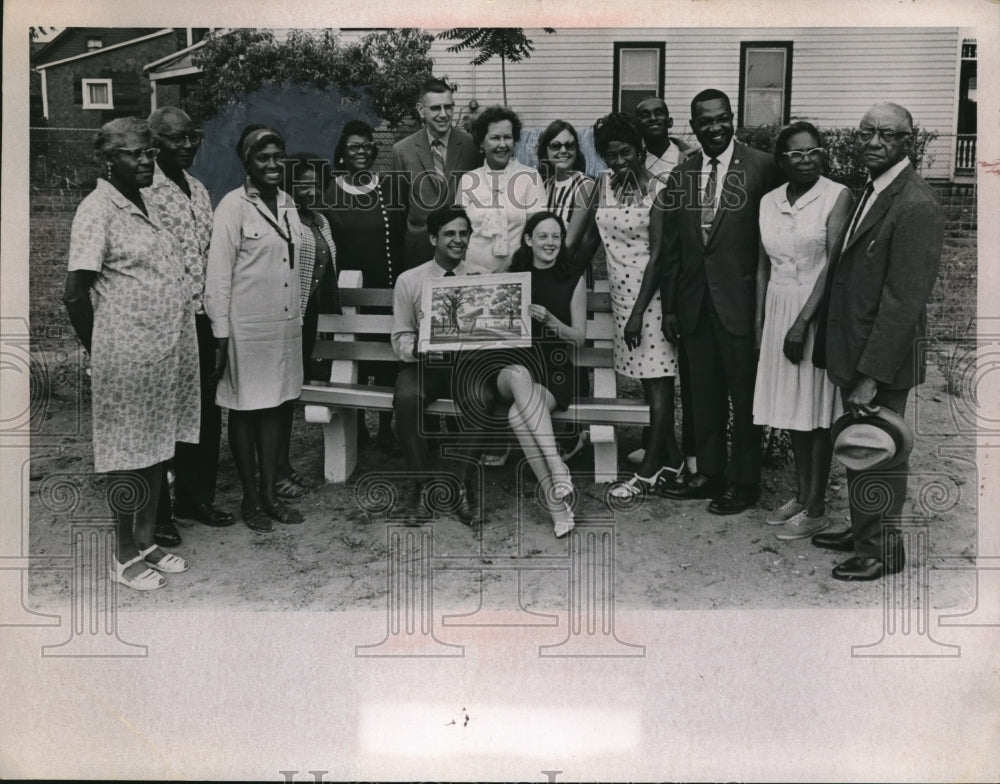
510,44
388,67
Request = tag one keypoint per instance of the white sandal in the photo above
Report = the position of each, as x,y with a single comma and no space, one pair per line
638,485
169,563
564,526
146,581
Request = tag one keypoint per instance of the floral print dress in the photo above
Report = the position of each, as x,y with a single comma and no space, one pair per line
144,353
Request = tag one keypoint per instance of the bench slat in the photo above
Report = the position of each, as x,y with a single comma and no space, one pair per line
370,351
597,301
359,324
610,411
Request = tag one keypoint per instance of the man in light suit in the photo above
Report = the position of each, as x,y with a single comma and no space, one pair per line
873,317
428,165
709,209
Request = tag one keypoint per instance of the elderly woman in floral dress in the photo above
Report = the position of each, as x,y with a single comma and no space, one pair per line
130,307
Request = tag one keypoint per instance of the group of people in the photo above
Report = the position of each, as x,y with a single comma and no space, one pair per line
751,277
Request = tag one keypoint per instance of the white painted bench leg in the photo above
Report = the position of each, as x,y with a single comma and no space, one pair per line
605,442
340,444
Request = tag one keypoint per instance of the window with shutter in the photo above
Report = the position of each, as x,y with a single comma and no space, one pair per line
765,83
638,74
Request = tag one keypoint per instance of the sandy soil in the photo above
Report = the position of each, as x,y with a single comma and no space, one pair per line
668,555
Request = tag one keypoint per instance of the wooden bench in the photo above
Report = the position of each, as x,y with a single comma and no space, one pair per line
334,404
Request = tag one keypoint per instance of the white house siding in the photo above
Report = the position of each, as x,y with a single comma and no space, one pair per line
837,73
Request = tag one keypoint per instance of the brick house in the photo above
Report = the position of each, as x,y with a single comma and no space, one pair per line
90,75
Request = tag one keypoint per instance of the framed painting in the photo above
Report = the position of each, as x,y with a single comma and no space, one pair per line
474,312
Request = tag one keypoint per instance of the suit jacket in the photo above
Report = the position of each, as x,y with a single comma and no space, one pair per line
421,190
726,266
874,309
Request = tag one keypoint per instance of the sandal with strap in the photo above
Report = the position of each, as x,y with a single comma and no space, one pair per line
303,481
581,442
258,521
639,485
283,514
563,526
562,487
288,488
169,563
145,581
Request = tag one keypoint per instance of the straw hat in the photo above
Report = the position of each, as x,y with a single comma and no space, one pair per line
879,440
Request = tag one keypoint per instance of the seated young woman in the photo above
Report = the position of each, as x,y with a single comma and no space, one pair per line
546,379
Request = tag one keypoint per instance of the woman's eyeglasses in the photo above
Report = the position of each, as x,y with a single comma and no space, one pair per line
137,152
568,146
797,156
356,148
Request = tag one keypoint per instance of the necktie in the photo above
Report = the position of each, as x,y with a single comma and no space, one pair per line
437,147
449,274
869,190
708,200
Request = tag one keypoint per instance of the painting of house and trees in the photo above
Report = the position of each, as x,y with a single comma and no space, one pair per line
476,311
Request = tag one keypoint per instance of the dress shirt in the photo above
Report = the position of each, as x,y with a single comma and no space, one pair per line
443,138
882,182
661,165
724,158
406,307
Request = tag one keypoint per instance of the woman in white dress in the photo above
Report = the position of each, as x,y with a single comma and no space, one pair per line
799,223
499,196
624,198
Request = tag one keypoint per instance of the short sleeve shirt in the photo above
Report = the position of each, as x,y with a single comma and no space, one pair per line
190,221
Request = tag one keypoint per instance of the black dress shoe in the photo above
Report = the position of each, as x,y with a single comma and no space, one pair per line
840,541
166,534
736,499
695,486
207,514
865,568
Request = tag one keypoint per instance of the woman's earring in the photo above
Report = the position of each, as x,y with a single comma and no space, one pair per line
107,164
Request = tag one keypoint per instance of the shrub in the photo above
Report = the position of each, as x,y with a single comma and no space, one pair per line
843,158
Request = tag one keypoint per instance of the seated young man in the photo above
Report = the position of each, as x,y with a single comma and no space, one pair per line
420,383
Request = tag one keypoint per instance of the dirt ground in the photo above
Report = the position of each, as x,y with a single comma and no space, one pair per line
668,554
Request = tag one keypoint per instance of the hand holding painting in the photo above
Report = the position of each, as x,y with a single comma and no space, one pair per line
540,313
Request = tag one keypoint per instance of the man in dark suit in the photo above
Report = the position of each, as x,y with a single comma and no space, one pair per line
873,317
709,211
429,164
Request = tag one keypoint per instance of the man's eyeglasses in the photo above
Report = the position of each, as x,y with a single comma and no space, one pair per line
797,156
361,147
137,152
447,108
888,136
193,138
568,146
